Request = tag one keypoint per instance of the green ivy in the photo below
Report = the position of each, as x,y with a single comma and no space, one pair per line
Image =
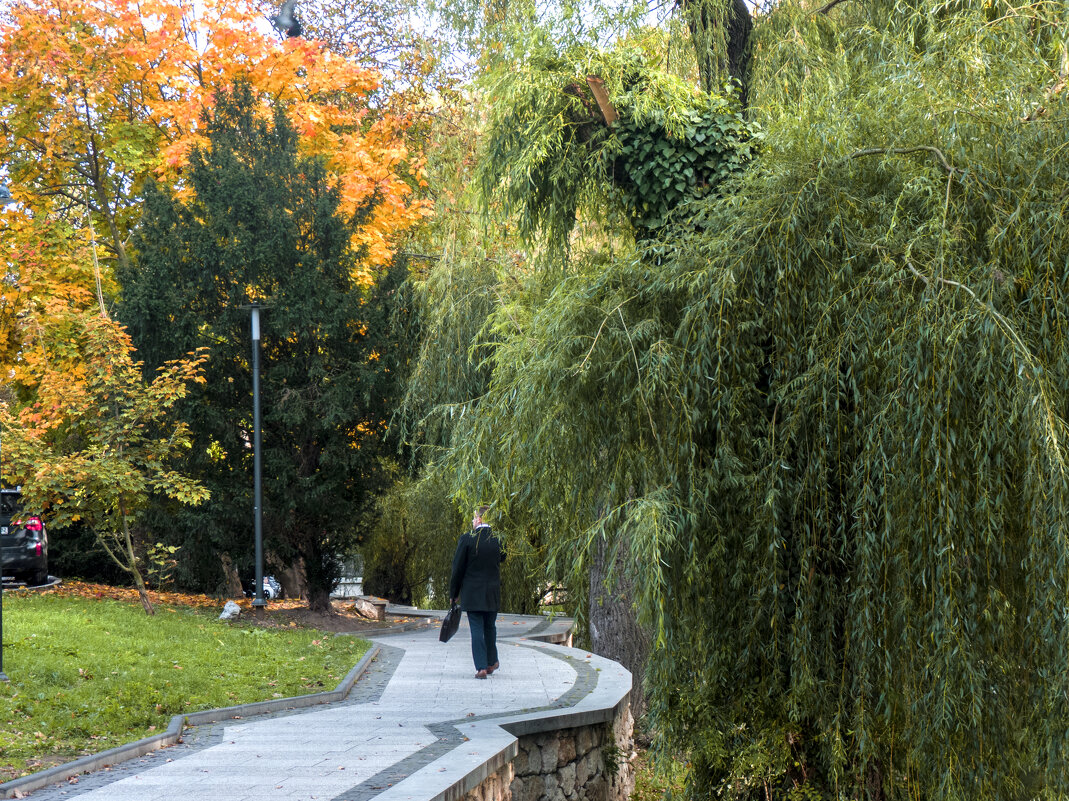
549,159
657,169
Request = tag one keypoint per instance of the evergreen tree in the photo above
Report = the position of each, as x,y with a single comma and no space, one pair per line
261,224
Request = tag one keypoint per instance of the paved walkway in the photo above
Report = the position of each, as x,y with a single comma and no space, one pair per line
417,701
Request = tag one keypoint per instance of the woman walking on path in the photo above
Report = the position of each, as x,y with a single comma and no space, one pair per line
476,585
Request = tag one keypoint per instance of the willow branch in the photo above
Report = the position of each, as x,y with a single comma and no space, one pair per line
884,151
1041,109
830,6
968,290
586,358
638,369
1018,343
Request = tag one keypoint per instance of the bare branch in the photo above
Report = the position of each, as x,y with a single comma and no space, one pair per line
830,6
1002,321
884,151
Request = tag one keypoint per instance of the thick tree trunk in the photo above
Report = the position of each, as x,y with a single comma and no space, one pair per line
293,580
720,55
231,577
614,629
319,600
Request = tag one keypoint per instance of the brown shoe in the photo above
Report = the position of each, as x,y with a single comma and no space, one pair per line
481,674
493,667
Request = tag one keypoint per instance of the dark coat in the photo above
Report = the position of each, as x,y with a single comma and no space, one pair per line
476,577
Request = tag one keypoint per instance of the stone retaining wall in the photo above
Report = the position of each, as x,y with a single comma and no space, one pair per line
582,763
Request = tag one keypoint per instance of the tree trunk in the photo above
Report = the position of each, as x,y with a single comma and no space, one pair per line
319,600
614,629
142,593
293,581
131,559
231,577
720,55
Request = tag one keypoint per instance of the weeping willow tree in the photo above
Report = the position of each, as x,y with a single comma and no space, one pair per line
819,410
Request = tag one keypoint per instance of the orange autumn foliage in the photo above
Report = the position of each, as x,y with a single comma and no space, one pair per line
97,97
94,591
55,279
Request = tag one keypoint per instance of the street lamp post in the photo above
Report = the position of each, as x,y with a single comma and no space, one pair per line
258,600
5,198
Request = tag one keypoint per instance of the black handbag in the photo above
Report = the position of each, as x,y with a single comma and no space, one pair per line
450,624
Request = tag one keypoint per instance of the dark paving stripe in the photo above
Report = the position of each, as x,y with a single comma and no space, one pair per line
449,737
541,626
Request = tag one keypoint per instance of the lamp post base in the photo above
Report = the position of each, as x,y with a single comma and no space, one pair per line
3,676
258,602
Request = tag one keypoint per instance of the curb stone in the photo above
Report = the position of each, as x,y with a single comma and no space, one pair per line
138,748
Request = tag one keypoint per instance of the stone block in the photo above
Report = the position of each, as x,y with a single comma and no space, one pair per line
532,766
231,611
624,729
526,789
495,787
567,779
597,788
550,753
551,787
583,771
583,740
370,607
566,753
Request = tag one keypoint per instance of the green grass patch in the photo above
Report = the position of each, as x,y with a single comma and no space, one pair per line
87,675
657,783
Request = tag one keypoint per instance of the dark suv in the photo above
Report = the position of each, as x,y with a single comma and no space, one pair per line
23,542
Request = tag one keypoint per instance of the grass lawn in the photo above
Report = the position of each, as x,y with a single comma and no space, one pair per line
91,673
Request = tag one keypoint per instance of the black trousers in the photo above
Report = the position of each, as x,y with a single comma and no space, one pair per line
483,638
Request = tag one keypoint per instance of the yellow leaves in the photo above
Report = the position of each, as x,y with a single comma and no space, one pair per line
83,440
136,78
54,276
